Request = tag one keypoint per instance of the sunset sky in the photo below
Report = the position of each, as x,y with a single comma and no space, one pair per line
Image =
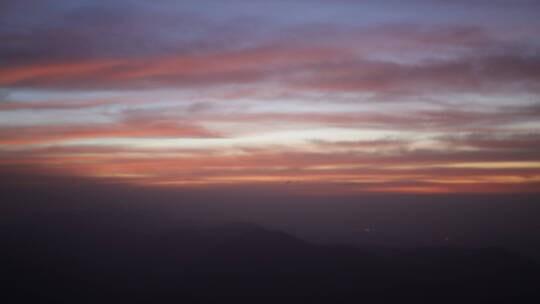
305,96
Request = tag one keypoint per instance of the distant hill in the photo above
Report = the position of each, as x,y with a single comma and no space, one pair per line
246,261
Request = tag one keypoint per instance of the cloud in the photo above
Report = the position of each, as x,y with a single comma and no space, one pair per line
514,141
417,170
25,135
460,100
475,74
414,119
236,67
316,58
57,105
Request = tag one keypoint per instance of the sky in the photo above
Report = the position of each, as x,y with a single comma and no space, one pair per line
305,97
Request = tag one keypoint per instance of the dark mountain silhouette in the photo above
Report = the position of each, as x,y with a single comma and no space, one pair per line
64,264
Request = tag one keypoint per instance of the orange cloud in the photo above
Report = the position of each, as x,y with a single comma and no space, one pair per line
15,75
49,134
418,172
225,67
